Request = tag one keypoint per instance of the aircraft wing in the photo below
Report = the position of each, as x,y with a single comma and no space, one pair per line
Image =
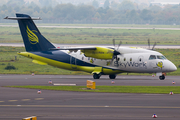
95,52
75,48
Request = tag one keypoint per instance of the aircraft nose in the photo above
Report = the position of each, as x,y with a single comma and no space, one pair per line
172,67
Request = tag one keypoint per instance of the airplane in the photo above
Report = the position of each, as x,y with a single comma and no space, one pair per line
97,60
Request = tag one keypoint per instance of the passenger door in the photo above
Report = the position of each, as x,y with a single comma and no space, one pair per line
73,61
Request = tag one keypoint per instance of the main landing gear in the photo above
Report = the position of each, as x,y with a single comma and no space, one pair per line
96,76
112,76
162,77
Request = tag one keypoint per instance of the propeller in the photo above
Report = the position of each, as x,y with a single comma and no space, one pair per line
150,45
154,46
116,52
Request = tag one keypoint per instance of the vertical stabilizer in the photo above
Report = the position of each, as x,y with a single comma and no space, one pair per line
33,40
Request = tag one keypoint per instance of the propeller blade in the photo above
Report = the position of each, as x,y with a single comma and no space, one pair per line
149,43
116,59
119,45
114,42
154,46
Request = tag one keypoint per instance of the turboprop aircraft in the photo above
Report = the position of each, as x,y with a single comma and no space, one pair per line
97,60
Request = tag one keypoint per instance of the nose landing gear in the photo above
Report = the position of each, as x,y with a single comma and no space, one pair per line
162,77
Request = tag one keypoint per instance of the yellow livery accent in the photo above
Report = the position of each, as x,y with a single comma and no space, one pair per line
32,36
97,70
99,53
39,62
160,64
43,60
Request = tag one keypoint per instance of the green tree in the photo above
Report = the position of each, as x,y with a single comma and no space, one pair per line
64,10
127,5
84,12
46,9
110,13
17,8
37,9
97,15
114,5
133,15
106,4
47,3
146,15
15,3
4,7
155,8
95,4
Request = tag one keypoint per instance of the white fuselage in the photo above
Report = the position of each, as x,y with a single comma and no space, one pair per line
131,60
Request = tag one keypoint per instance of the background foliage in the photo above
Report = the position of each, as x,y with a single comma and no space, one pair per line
126,12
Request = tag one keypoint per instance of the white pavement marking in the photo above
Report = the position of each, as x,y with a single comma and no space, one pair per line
65,84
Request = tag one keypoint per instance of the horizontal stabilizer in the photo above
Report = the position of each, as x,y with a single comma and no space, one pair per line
22,18
33,39
39,62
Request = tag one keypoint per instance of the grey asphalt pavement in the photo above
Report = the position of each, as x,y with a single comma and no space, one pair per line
18,103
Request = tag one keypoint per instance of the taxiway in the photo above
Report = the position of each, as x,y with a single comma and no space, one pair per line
17,103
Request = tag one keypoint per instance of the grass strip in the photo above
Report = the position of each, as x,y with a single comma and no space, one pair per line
111,89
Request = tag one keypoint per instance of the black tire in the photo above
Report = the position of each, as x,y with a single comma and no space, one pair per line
112,76
162,77
96,76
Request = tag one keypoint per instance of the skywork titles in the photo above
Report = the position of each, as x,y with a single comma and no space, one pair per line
130,64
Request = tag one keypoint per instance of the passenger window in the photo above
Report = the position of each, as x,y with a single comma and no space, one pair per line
152,57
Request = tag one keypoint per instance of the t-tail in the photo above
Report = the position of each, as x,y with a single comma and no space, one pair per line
33,39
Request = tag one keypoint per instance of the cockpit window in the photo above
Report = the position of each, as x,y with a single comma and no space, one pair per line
152,57
161,57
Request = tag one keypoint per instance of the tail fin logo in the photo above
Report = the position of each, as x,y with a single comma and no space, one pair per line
33,39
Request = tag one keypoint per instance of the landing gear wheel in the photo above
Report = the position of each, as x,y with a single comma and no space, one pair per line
162,77
96,76
112,76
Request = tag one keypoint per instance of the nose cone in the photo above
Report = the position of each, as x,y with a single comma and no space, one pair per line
172,67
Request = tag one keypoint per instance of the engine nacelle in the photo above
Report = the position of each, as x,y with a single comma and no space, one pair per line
99,53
